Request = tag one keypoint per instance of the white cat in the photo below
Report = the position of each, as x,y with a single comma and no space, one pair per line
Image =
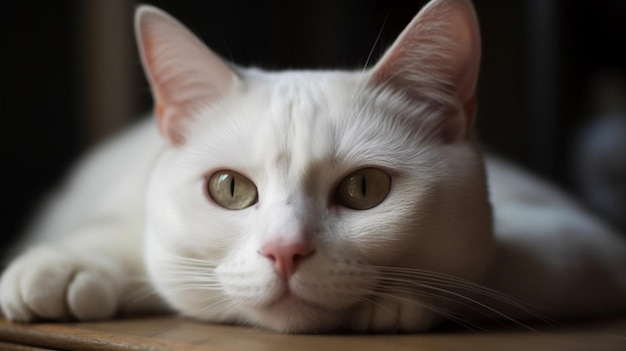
304,201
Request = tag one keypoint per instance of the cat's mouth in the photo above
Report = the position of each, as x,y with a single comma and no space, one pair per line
290,301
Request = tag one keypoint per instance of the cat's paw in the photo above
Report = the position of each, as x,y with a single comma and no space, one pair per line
46,283
391,314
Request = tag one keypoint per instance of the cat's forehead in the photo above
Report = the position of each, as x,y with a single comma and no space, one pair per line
296,124
299,125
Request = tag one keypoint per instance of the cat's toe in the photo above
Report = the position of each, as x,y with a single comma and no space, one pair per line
401,313
42,286
46,283
385,316
90,297
13,306
377,316
361,318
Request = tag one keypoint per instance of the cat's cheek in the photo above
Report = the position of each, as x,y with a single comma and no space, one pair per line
334,284
250,282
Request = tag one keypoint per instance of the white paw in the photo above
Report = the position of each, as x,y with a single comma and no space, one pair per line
46,283
393,313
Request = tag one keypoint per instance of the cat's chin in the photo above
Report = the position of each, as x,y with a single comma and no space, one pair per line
292,314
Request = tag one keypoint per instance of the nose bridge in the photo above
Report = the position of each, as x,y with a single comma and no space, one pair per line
288,216
288,238
290,209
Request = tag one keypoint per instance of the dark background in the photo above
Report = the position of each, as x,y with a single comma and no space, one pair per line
70,75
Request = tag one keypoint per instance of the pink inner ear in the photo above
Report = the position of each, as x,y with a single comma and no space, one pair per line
183,73
169,130
438,53
466,35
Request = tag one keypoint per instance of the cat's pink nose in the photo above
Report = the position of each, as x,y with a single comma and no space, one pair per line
286,255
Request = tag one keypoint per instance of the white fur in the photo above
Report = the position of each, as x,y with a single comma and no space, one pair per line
296,135
136,221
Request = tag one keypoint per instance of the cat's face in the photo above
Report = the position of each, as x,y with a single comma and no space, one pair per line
289,200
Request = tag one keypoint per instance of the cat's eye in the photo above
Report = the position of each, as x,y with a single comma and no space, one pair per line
363,189
232,190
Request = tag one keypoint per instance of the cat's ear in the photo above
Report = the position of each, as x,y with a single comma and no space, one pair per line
183,73
437,55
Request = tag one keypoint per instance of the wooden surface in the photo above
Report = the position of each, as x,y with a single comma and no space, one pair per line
169,333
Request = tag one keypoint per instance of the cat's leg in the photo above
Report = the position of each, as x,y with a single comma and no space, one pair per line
394,312
559,261
90,275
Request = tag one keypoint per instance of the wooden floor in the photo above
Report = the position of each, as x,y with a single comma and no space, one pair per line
171,333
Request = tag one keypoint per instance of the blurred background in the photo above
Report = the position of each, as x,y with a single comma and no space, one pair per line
551,93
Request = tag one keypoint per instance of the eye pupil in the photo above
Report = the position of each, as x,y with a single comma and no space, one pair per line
364,189
232,187
363,186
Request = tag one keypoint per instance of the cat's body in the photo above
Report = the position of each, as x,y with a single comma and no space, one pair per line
314,201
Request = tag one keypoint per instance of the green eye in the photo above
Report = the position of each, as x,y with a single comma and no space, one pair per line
363,189
231,190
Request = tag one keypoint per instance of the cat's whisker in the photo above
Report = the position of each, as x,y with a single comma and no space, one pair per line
186,266
190,267
191,283
439,297
190,272
444,280
190,264
139,295
217,304
465,285
137,288
193,287
368,298
438,310
177,280
187,261
467,299
370,294
446,299
362,83
193,274
380,32
441,280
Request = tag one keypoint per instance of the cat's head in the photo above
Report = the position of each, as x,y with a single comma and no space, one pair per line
299,200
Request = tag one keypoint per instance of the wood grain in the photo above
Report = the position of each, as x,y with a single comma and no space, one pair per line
171,333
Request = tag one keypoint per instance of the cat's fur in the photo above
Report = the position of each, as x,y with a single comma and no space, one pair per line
418,257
